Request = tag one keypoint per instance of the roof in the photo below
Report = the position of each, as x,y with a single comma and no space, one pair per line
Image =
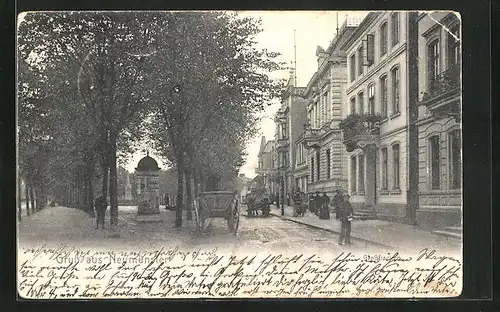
147,164
262,145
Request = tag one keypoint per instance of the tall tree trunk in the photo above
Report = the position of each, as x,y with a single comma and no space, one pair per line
104,153
180,192
195,181
32,196
34,208
113,180
187,176
90,194
77,192
27,195
38,202
19,206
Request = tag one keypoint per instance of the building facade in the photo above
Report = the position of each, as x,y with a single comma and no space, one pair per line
266,168
439,120
377,129
289,120
320,153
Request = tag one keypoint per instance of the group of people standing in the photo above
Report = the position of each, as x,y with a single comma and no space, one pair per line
320,205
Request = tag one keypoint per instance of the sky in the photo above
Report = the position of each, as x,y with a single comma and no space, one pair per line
312,28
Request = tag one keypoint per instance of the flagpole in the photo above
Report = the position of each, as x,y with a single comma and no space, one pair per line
337,18
295,59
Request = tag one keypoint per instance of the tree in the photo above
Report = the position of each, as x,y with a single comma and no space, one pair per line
210,84
109,52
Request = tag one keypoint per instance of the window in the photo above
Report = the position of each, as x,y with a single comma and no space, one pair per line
370,49
328,164
433,61
353,174
371,99
361,170
327,105
383,39
353,105
361,103
395,90
455,159
395,28
316,115
353,66
395,163
318,176
360,60
383,95
454,46
312,169
283,131
434,162
384,168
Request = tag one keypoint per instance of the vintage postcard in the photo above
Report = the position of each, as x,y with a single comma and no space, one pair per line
239,154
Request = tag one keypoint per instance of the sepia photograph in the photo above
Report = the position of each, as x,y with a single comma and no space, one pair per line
239,154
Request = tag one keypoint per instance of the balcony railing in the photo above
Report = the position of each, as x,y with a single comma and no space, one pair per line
445,84
360,130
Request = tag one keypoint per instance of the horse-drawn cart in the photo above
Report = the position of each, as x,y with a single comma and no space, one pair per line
256,200
219,204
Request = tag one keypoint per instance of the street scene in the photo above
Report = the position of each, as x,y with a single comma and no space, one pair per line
329,133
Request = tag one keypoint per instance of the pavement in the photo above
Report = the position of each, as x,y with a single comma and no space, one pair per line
55,226
396,236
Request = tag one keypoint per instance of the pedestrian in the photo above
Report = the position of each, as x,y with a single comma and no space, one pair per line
100,205
297,202
324,213
317,203
337,200
346,217
167,201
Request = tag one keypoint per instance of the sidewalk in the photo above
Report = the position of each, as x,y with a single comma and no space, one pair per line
401,237
63,225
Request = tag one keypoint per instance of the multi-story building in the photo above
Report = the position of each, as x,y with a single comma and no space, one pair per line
289,121
439,116
266,168
380,114
321,156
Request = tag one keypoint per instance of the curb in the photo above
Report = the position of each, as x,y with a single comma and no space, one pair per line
330,230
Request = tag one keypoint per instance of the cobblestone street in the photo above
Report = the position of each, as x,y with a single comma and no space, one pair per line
54,226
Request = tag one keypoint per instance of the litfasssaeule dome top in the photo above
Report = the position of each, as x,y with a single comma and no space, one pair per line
147,163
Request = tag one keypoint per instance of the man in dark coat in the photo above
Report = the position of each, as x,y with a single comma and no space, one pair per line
324,213
100,205
337,199
346,215
317,203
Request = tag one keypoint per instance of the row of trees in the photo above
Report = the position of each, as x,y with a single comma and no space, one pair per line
91,84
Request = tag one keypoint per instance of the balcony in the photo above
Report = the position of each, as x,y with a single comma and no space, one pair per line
443,95
360,131
311,136
282,144
281,115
